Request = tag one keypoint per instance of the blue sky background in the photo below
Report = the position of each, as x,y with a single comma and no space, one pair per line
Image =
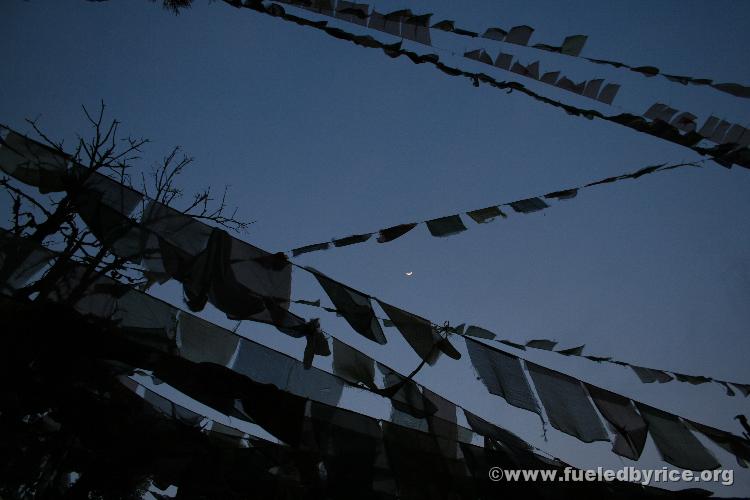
319,139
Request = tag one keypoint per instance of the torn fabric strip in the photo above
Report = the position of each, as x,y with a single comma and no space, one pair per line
484,215
354,306
442,423
29,257
445,226
628,426
420,335
201,341
266,366
567,404
310,248
32,163
352,365
648,375
735,445
675,442
573,351
147,320
408,398
351,240
503,375
545,344
528,206
566,194
475,331
394,232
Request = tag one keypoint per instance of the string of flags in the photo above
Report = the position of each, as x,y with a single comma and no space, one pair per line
150,321
588,88
645,375
450,225
724,154
416,27
248,283
573,46
565,400
403,23
353,305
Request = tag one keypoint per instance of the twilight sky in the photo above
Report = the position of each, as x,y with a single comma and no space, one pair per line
319,138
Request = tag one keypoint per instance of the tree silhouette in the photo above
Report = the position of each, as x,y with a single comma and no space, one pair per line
55,221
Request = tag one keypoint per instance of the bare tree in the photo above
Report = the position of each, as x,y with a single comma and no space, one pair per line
54,221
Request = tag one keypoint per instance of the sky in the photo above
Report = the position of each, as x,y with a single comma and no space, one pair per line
318,138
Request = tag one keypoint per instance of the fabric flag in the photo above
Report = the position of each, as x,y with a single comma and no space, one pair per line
475,331
147,320
573,351
226,436
394,232
573,45
266,366
352,12
407,398
675,442
393,21
325,7
628,426
513,443
692,379
550,77
484,215
159,402
113,228
530,71
310,248
513,344
503,375
377,21
569,85
528,206
351,240
740,448
211,277
201,341
519,35
503,61
444,25
446,226
648,375
607,95
31,162
734,89
187,416
443,423
420,335
545,344
479,55
180,230
352,365
113,193
354,306
592,88
417,28
568,407
30,258
495,34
